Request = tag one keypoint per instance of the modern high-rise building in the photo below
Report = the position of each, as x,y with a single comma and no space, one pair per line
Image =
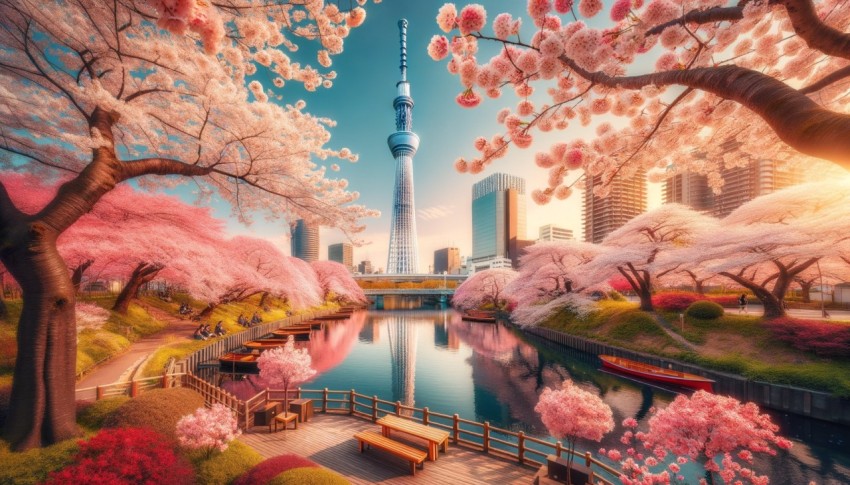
447,259
304,243
365,267
603,215
743,184
342,253
551,232
690,189
740,185
498,221
403,256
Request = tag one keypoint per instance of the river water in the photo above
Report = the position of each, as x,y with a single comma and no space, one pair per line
493,372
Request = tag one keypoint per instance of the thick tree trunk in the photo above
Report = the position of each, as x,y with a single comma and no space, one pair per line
143,273
773,307
263,298
42,407
77,275
207,311
641,283
805,289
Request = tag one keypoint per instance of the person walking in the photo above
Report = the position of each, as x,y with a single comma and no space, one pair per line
742,303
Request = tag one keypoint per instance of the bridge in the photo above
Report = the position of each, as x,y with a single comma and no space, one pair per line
410,291
439,286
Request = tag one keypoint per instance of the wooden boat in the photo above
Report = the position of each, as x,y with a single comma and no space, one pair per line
287,331
655,373
239,362
487,316
334,316
268,343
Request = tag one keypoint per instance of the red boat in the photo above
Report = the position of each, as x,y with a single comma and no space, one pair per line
239,362
655,373
487,316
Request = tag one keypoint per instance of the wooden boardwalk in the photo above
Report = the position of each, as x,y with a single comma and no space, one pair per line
328,439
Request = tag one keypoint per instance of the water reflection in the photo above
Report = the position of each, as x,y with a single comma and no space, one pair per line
491,372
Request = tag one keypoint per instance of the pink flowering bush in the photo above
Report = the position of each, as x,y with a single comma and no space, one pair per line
674,301
285,366
703,428
90,316
823,338
571,413
207,429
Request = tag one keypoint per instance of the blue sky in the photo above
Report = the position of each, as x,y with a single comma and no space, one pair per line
361,103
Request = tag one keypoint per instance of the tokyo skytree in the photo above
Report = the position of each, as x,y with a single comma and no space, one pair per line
404,250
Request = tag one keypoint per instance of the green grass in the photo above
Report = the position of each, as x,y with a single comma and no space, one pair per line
33,466
225,467
156,364
137,323
95,346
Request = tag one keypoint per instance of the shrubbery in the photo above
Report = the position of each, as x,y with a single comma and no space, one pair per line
704,310
309,476
92,415
729,301
823,338
675,301
264,472
226,466
125,456
159,410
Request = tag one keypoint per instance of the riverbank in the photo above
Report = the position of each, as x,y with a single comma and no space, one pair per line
736,350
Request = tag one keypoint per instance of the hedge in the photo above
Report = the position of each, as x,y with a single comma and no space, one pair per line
705,310
158,409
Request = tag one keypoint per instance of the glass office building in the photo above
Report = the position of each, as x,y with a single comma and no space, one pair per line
498,217
304,243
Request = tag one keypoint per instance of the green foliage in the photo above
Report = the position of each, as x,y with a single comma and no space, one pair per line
158,409
92,415
33,466
227,466
137,323
634,325
94,346
309,476
706,310
156,364
616,296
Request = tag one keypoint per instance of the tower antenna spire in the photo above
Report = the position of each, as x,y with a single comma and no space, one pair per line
402,32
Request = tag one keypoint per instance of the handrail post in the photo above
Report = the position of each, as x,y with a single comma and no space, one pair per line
134,388
398,408
325,400
486,436
298,396
425,416
558,449
99,393
245,406
374,408
587,459
521,447
455,428
351,402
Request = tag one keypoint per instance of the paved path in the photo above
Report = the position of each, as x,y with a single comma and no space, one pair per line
757,309
122,366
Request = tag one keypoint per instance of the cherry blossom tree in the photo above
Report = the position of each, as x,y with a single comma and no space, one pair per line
103,93
571,413
767,242
336,278
208,429
695,84
705,428
484,288
551,277
285,366
633,249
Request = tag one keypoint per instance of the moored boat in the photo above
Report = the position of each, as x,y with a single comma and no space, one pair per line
296,332
239,362
655,373
487,316
268,343
333,316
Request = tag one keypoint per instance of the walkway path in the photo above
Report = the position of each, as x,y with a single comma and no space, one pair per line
123,366
665,325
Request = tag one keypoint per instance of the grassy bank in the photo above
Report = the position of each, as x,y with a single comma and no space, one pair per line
739,344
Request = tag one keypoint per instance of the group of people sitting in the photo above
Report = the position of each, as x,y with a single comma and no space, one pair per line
185,309
203,331
255,319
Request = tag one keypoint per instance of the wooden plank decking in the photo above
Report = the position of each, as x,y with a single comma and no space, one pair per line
328,439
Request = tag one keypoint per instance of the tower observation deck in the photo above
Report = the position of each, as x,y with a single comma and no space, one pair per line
404,251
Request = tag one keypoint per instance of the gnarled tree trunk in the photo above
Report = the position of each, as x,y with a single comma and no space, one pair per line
41,408
143,273
77,275
641,283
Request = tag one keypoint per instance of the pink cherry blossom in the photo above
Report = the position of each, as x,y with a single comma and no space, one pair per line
472,18
468,99
589,8
356,17
503,26
285,366
539,8
563,6
484,288
447,17
620,9
438,48
208,429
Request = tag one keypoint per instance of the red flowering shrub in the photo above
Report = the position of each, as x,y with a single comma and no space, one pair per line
125,456
675,301
823,338
268,469
729,301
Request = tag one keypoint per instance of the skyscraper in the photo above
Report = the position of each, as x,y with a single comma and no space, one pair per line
304,243
404,251
498,221
342,253
446,259
690,189
365,267
603,215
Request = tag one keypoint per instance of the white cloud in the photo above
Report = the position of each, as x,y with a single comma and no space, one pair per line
435,212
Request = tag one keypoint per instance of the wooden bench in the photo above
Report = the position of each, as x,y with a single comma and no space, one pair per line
436,438
401,450
285,419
